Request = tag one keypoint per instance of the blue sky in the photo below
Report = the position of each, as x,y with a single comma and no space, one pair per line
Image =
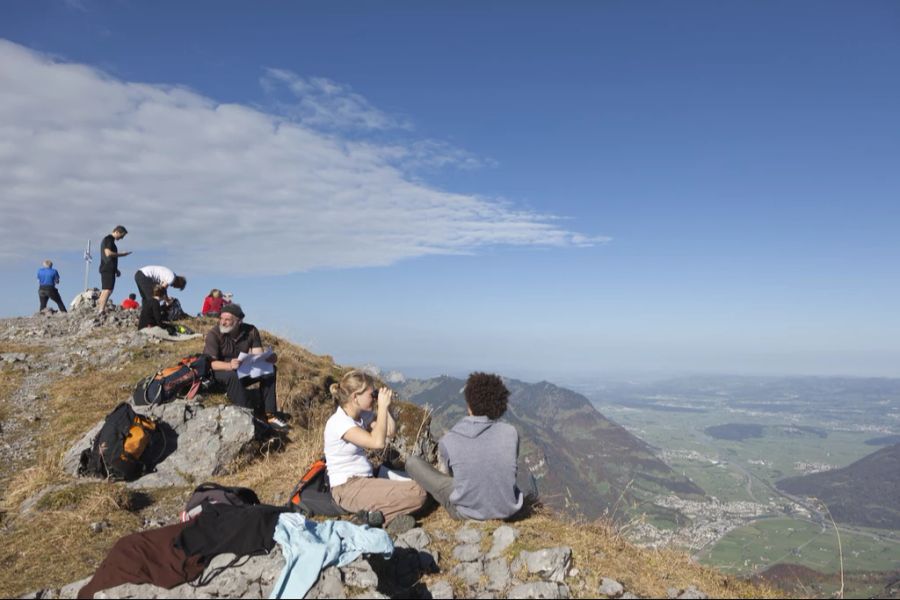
548,190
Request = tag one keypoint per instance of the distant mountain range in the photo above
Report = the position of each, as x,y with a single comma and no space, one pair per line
865,493
586,465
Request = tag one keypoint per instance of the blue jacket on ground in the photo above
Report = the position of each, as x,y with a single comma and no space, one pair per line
308,547
48,276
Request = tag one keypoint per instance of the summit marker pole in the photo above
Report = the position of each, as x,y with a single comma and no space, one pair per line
87,264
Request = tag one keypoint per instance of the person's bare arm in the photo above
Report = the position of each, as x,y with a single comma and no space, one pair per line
375,439
225,365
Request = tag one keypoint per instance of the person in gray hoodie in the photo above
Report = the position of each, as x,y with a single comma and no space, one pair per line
481,453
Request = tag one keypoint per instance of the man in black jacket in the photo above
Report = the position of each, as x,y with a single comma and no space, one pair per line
224,343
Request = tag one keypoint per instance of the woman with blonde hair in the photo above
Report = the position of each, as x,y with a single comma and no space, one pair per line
349,432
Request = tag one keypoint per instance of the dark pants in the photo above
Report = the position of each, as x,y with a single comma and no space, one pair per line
145,286
49,292
234,388
440,486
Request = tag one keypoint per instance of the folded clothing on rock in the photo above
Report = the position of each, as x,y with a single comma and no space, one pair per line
239,530
146,557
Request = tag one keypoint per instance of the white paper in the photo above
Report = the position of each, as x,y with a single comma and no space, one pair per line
385,473
255,365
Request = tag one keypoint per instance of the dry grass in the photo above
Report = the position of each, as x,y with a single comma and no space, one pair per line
31,349
56,546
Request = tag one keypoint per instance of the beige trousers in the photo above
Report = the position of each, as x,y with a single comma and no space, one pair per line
392,498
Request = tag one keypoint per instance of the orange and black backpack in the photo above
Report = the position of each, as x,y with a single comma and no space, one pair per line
122,448
312,495
169,383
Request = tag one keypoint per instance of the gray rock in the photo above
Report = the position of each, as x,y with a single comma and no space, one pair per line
503,536
359,574
99,526
12,357
329,585
469,535
441,590
469,572
692,593
672,593
611,588
205,442
629,596
498,575
540,589
414,538
467,552
550,563
71,590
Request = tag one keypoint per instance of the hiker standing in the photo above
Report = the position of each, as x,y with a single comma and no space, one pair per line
109,264
224,343
147,279
48,277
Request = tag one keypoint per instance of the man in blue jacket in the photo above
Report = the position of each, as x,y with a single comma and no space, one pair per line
48,277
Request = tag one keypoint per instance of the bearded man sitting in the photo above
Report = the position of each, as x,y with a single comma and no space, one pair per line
224,343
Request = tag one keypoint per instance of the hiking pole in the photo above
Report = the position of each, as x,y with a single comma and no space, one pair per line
87,264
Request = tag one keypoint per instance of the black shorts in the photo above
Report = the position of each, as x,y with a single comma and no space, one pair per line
107,280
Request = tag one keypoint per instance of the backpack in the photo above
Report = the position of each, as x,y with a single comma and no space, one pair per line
312,495
184,378
120,449
214,493
175,312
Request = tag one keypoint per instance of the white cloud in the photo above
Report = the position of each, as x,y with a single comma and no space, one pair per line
223,187
322,103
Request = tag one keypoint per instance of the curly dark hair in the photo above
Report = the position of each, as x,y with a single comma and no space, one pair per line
486,395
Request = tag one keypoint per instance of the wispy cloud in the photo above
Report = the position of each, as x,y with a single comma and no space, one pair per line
223,187
323,103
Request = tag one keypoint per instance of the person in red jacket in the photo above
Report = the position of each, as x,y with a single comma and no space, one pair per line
212,304
130,303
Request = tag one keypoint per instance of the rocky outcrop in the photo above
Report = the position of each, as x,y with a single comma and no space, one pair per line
197,442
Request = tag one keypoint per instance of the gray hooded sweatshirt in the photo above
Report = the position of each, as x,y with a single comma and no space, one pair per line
482,454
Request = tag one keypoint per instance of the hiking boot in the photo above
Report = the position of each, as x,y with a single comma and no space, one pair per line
374,518
276,423
400,525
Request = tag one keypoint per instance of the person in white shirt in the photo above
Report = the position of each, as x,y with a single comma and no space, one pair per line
349,432
147,279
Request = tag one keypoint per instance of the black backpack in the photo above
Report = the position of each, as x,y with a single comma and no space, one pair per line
120,450
312,495
175,312
182,379
213,493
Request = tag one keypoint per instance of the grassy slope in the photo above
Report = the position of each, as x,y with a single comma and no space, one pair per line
59,527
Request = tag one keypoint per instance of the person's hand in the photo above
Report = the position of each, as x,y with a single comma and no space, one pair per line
385,395
124,253
118,273
272,359
235,363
